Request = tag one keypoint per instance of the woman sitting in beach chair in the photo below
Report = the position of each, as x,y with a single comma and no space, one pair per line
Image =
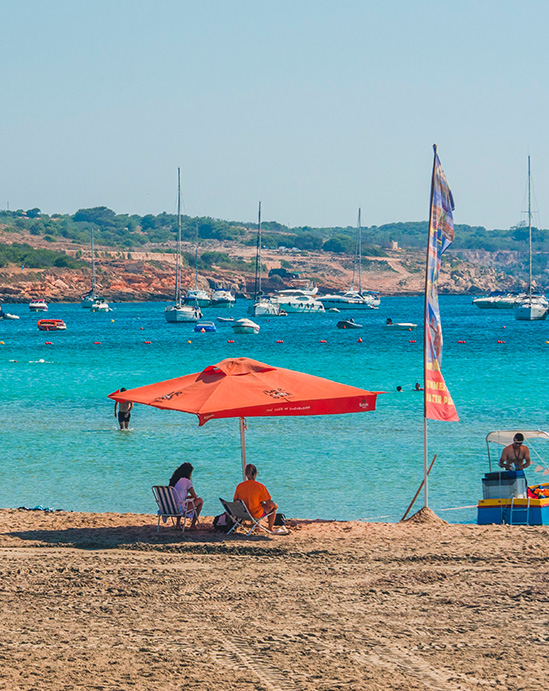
183,487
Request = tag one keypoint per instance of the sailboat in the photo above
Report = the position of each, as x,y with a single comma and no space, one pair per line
91,297
353,299
178,312
532,307
262,306
196,296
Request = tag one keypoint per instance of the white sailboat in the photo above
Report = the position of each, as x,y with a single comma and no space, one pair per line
353,299
92,298
196,296
532,307
179,312
262,306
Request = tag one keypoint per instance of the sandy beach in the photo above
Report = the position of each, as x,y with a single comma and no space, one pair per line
101,601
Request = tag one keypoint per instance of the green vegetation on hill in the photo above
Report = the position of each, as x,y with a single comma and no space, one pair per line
30,258
125,231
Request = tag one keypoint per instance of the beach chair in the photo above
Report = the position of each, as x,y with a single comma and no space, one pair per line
169,506
239,513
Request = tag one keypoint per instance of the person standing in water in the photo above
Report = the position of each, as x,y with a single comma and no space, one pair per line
124,408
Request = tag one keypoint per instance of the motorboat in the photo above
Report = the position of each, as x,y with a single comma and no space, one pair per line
334,310
51,325
265,307
532,307
348,324
197,297
100,305
372,296
399,326
205,327
296,300
245,326
497,301
506,495
224,320
7,315
349,300
178,312
222,298
38,306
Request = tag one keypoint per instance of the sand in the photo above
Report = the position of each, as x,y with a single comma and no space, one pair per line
101,601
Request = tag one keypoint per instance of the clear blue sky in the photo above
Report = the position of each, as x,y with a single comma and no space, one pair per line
314,107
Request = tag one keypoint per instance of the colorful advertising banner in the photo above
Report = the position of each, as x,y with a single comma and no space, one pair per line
438,402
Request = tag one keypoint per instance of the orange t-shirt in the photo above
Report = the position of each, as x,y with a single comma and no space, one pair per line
252,494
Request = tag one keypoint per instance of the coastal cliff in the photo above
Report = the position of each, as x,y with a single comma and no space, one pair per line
150,275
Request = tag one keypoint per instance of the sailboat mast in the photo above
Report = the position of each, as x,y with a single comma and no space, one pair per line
529,233
359,241
196,260
93,262
178,258
258,255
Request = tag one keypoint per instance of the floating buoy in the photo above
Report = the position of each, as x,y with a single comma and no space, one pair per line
461,341
409,329
189,341
202,331
230,341
148,342
359,339
97,343
140,328
324,341
2,343
411,341
501,341
112,320
48,343
503,327
280,341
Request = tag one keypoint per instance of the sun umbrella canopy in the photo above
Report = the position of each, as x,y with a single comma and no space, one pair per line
241,387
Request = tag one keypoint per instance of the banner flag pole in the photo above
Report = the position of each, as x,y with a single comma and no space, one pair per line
437,402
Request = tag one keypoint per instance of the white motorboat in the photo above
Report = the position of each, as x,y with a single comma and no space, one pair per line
225,320
7,315
179,312
350,300
532,307
295,300
38,306
400,326
100,305
265,307
498,301
222,298
245,326
262,306
197,297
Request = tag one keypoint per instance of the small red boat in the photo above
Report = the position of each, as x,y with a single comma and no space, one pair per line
51,325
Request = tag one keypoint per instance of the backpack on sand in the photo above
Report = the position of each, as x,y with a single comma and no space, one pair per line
223,523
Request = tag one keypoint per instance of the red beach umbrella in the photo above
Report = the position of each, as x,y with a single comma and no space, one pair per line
241,387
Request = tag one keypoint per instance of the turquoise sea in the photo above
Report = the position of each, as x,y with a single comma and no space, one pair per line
60,444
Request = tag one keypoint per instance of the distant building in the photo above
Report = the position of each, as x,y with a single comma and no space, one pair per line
393,245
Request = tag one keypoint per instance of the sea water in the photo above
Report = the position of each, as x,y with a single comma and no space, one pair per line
61,446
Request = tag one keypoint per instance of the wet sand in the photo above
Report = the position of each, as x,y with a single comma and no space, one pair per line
101,601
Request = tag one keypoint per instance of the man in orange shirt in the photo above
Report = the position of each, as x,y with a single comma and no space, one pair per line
256,497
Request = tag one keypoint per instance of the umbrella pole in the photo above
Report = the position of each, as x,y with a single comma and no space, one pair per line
243,445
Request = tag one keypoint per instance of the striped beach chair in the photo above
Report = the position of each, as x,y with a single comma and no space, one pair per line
169,506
